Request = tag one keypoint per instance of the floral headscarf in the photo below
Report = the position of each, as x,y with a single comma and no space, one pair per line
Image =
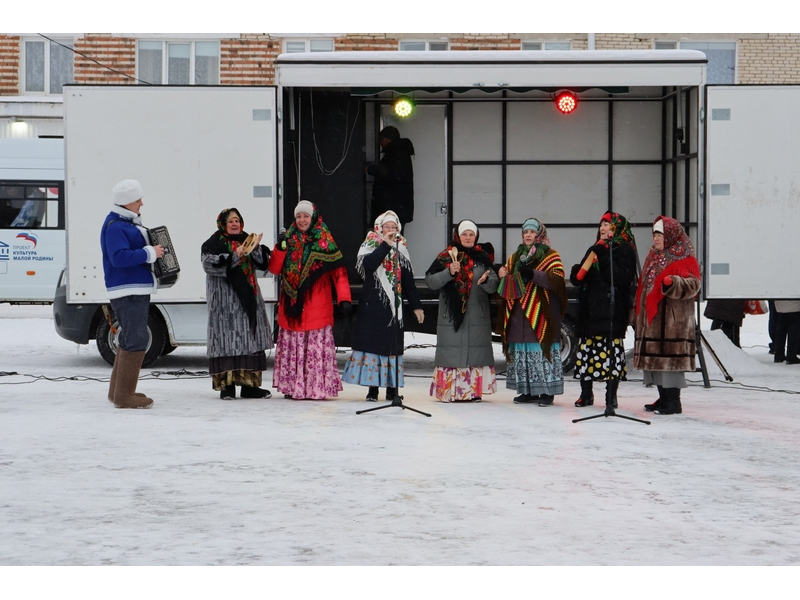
309,256
677,258
242,278
389,273
459,288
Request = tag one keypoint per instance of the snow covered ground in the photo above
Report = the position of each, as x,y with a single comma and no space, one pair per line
200,481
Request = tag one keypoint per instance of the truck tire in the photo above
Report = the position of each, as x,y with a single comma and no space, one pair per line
569,344
107,341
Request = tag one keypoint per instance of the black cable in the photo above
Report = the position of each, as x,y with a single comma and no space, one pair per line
52,41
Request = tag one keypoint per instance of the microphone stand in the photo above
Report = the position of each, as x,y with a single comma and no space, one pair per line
609,411
398,306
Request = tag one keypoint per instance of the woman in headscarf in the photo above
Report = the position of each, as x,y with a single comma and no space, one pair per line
665,326
311,266
532,285
238,329
464,358
601,325
377,340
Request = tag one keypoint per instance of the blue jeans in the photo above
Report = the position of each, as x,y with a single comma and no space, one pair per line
131,312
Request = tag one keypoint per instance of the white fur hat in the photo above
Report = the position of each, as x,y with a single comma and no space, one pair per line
127,191
304,206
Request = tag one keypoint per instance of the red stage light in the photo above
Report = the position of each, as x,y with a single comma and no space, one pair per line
566,102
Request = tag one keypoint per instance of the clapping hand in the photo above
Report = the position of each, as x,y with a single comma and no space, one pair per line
420,314
484,277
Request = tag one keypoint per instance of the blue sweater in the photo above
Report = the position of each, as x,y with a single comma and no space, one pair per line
125,258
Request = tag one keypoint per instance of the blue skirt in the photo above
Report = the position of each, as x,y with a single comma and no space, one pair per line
529,372
373,370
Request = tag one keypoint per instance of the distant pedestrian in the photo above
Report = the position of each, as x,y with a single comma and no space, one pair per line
393,188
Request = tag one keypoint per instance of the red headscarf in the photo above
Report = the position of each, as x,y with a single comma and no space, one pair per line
676,259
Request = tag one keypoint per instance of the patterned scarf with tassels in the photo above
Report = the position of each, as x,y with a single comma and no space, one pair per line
534,300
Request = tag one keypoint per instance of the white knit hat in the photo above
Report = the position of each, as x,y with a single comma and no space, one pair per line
127,191
304,206
465,225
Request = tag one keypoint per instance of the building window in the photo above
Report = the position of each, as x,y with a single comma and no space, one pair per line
721,60
666,45
421,46
178,63
312,45
48,65
546,46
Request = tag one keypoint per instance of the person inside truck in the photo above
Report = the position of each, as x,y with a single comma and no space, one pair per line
535,294
385,266
665,344
393,188
465,277
602,317
129,283
238,329
311,266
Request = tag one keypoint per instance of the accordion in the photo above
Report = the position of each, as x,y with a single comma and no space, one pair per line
166,269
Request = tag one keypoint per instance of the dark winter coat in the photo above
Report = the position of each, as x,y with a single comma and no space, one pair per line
667,343
594,308
730,311
393,188
375,329
471,345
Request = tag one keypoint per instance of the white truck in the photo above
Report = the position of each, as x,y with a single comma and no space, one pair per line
32,242
647,137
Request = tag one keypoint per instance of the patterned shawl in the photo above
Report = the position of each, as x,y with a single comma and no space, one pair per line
309,256
242,278
622,234
459,287
677,258
534,300
389,272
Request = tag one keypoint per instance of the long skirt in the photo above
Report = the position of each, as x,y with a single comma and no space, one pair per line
452,384
596,361
305,364
237,370
373,370
529,372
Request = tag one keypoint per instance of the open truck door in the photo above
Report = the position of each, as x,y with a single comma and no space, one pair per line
196,151
752,192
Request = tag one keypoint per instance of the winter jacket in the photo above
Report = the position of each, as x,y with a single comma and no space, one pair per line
730,311
393,188
375,330
318,307
667,343
594,294
126,255
471,345
230,332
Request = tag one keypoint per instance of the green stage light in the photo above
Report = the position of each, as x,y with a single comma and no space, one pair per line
403,106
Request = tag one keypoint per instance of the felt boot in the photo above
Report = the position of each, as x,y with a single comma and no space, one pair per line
113,383
587,395
127,377
612,385
672,402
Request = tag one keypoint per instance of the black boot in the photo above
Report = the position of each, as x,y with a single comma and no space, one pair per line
672,402
391,393
612,385
255,392
587,396
658,403
229,393
372,394
545,400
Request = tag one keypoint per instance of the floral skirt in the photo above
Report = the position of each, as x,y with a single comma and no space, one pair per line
375,370
305,364
451,384
529,372
596,361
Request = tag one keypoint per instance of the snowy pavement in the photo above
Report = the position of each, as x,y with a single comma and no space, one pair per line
201,481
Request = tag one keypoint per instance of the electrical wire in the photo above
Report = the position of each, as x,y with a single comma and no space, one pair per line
52,41
348,138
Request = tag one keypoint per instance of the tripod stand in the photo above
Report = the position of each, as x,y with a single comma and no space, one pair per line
610,411
396,338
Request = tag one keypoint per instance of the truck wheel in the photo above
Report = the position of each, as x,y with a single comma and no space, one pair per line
569,345
107,341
